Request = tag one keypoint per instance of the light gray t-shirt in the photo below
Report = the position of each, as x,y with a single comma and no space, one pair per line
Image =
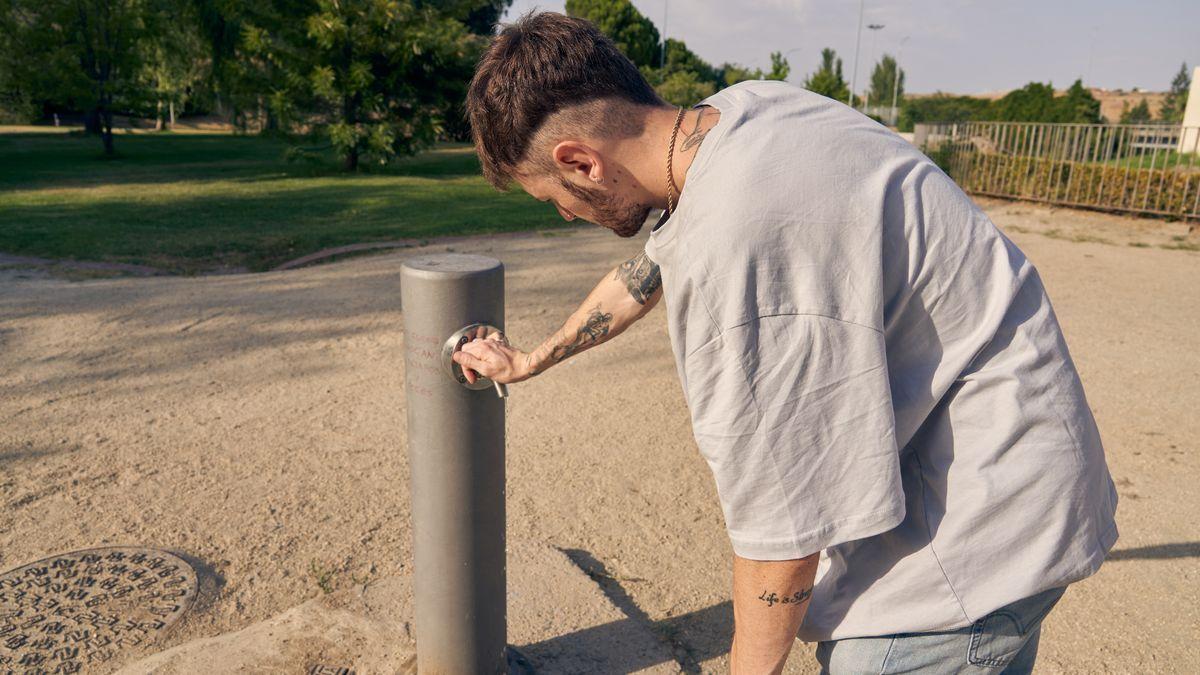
874,371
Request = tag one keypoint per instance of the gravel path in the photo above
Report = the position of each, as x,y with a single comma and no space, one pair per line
256,422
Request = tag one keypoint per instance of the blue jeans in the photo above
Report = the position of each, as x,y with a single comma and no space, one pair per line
1005,642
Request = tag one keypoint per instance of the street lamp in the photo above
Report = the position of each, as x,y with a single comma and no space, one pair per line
857,41
875,28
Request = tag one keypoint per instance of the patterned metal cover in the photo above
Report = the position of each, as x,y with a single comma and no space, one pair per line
74,610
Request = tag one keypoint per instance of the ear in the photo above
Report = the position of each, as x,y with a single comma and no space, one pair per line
579,160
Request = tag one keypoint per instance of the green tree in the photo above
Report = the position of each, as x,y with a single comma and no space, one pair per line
732,73
1079,106
173,63
1138,114
17,104
483,17
629,29
378,78
680,58
828,79
384,73
1176,100
1032,103
780,69
883,79
1036,102
84,54
684,88
942,107
264,80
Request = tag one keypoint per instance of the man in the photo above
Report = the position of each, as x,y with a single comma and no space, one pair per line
873,370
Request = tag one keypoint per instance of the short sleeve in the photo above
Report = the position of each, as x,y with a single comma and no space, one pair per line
793,414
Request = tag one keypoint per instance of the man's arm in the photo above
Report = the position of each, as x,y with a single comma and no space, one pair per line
622,297
769,601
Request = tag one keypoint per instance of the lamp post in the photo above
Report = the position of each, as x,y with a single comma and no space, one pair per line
857,42
875,28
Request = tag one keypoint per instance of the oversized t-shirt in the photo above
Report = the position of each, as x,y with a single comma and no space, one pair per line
874,371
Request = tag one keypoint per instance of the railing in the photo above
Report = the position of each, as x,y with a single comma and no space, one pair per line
1144,169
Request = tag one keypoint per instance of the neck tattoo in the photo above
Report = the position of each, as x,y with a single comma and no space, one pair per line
672,189
695,137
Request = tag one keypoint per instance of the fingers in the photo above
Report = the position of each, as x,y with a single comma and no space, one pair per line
472,365
489,357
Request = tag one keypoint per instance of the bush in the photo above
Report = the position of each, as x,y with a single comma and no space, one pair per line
1163,191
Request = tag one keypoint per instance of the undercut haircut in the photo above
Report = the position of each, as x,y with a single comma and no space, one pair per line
543,65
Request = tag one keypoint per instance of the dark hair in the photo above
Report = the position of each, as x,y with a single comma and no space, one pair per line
536,67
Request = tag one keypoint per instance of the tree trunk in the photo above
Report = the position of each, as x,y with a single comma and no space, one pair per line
350,115
171,109
158,116
91,121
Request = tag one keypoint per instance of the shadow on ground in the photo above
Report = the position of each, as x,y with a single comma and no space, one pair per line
1187,549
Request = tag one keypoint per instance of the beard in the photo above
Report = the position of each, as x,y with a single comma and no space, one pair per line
618,214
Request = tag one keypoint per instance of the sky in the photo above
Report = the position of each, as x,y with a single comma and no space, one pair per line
959,46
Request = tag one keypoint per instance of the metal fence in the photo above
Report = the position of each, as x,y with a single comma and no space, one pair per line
1150,169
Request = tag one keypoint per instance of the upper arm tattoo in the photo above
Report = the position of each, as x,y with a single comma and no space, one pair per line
641,277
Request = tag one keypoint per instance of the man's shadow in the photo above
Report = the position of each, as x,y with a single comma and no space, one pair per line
713,624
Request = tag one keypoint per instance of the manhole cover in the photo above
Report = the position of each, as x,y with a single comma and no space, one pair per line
63,613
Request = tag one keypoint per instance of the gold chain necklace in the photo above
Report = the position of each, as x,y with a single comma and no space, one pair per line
672,188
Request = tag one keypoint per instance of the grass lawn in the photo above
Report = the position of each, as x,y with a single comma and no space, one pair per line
1163,159
190,203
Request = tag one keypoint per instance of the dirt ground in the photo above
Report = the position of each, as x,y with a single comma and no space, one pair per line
256,423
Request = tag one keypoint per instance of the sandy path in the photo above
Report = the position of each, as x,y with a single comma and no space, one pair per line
256,423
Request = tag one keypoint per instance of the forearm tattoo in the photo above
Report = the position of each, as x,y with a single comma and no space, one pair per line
796,598
641,276
693,138
592,332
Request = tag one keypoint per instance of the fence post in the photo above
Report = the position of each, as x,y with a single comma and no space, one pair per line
456,459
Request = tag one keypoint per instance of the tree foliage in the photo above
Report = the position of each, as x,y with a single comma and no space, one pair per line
85,54
942,107
378,76
1175,102
483,17
1079,106
633,33
678,75
883,80
1036,102
780,68
1138,114
171,71
828,79
684,88
680,58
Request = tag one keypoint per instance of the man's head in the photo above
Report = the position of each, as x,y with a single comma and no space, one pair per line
550,101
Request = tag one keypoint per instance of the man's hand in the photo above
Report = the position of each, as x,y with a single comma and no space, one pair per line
769,601
492,357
